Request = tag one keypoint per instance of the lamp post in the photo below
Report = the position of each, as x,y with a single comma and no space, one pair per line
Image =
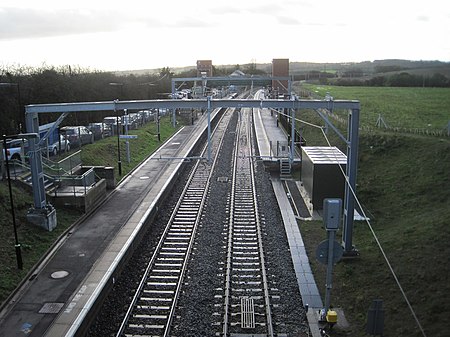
12,84
119,162
17,244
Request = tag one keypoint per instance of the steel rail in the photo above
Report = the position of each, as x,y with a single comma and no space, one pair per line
260,241
200,175
244,188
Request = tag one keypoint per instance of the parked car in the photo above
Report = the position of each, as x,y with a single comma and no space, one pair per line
111,123
147,115
14,149
63,144
129,121
100,130
77,135
111,120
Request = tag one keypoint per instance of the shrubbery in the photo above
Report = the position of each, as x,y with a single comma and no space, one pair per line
402,79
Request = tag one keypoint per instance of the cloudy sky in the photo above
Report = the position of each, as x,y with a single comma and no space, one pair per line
139,34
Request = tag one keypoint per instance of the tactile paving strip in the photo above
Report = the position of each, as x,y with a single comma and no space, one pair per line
51,308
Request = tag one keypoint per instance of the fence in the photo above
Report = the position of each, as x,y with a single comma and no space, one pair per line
58,173
85,180
445,132
65,166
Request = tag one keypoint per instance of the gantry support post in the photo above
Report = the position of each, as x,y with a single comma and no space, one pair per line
350,186
42,214
209,128
174,110
291,155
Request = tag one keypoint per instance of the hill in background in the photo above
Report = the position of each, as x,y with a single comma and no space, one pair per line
425,68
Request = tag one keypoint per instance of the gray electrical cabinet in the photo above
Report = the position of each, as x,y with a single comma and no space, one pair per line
321,176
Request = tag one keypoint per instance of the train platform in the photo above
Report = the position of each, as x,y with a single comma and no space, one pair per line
272,139
60,293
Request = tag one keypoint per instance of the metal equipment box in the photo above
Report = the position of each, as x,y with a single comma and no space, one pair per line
321,176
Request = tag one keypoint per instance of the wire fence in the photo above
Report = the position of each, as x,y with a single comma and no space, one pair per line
381,125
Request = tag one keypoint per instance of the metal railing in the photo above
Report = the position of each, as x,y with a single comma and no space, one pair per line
85,180
58,174
65,165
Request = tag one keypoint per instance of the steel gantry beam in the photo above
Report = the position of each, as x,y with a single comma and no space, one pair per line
233,79
208,104
188,104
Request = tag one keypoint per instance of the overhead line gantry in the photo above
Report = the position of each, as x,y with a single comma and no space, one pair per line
42,209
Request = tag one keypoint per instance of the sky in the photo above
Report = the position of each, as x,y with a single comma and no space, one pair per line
151,34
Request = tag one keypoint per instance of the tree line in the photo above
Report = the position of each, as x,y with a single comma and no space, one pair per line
23,86
402,79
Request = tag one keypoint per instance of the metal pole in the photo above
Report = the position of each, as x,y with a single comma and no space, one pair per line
290,85
209,128
352,163
174,121
119,162
17,245
157,125
292,135
37,172
20,110
127,143
329,280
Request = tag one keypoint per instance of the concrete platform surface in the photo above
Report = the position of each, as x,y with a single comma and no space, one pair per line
44,298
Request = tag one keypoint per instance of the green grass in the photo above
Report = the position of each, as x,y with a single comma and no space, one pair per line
400,107
36,241
404,185
105,152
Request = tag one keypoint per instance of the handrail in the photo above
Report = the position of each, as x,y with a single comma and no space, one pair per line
74,160
86,179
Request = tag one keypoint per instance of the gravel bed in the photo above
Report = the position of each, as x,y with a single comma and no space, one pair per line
197,309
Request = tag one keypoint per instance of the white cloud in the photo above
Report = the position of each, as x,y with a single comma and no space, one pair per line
140,33
30,22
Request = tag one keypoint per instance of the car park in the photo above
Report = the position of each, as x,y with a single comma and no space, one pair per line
77,135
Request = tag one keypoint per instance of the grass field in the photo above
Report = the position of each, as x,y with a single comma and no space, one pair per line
404,186
399,107
36,241
105,152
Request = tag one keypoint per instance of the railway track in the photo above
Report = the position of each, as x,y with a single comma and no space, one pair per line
152,309
246,298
